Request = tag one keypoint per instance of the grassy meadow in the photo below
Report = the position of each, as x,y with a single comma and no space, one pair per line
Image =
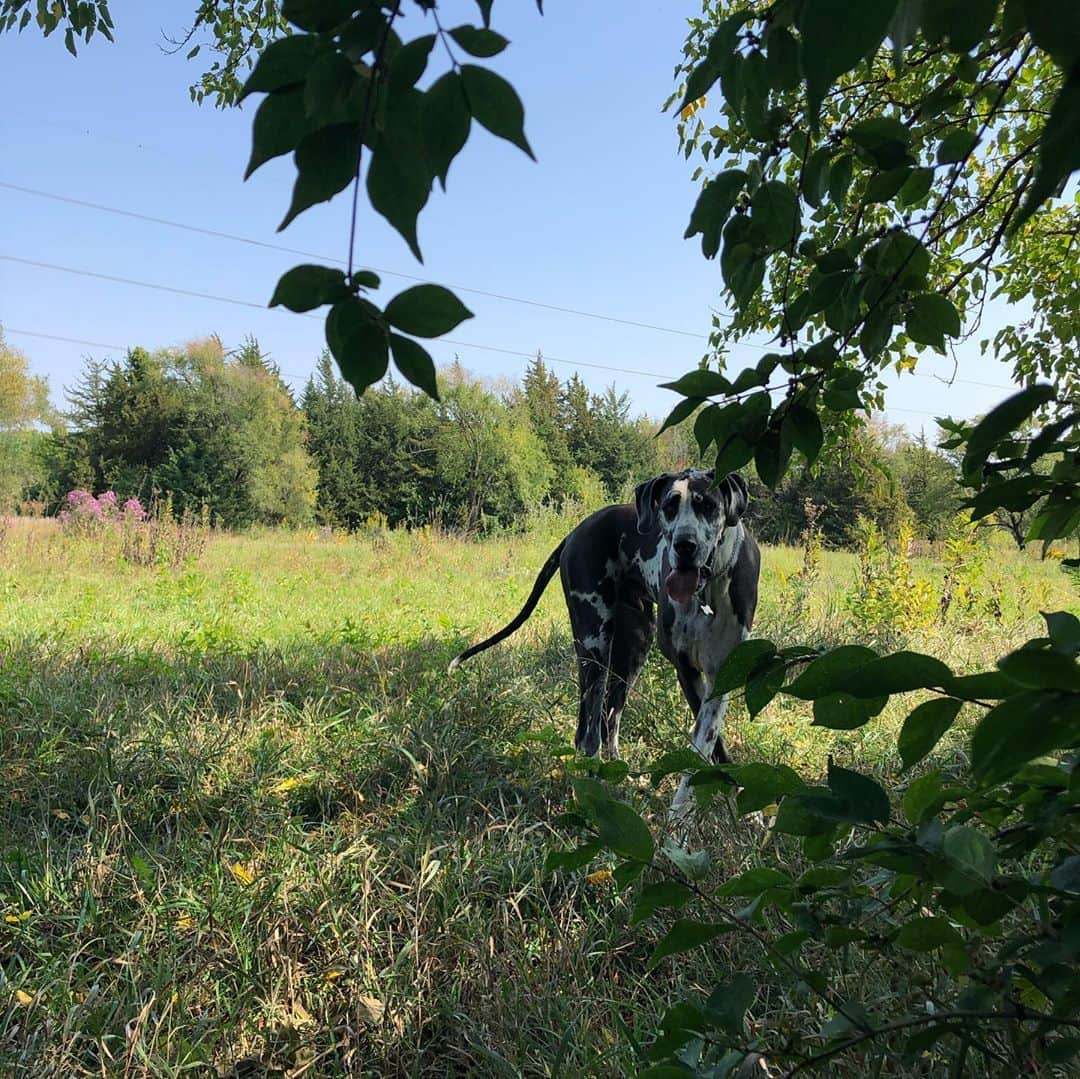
250,827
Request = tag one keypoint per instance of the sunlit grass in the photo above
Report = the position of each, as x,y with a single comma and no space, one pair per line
249,822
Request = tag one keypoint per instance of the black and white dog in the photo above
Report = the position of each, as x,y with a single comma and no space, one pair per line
682,547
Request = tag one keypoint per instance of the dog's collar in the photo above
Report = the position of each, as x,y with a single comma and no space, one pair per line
706,571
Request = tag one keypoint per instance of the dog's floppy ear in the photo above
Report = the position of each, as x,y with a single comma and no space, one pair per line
647,497
736,497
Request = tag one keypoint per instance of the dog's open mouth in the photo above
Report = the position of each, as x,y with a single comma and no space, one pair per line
681,584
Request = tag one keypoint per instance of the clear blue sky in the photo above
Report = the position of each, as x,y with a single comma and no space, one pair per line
596,225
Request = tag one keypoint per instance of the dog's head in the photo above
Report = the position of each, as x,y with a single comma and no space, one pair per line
692,511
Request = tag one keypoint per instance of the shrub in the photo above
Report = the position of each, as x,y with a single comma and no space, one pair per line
888,601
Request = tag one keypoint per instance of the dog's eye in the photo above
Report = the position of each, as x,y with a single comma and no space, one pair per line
671,506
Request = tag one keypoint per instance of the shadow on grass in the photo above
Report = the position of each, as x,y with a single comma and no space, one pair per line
326,856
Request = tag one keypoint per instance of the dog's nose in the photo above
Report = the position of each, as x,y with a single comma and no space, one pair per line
685,549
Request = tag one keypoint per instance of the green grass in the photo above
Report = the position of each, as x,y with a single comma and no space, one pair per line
250,827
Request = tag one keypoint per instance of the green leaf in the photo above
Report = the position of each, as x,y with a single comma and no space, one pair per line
744,659
330,81
1064,630
735,452
815,176
762,686
863,798
840,178
742,267
409,63
836,35
970,851
1059,149
675,760
415,363
900,672
923,797
365,279
782,58
485,10
589,794
666,1071
774,215
280,123
805,431
684,936
916,187
357,337
885,139
1039,669
719,52
622,830
963,23
326,161
713,208
1001,421
494,103
762,784
482,43
772,455
822,677
571,859
991,685
692,865
317,15
924,728
1055,27
902,259
843,712
446,121
801,814
1019,729
753,882
699,383
884,186
926,934
426,311
680,412
729,1002
1066,876
664,894
283,63
956,146
303,288
398,190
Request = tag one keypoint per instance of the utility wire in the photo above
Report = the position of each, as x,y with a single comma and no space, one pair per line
327,258
446,340
411,277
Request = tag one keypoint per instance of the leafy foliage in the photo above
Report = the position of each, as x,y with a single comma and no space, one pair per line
876,159
342,83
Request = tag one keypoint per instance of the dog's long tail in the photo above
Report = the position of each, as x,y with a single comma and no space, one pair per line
549,569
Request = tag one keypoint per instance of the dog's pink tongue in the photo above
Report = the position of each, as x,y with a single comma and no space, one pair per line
681,584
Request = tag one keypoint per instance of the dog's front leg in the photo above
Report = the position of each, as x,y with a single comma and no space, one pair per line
708,741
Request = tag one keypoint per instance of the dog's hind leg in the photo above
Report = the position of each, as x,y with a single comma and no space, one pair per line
592,685
632,636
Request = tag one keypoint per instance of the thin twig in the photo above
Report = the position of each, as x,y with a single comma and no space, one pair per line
365,119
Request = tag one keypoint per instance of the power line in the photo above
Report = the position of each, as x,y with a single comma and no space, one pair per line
260,307
327,258
409,277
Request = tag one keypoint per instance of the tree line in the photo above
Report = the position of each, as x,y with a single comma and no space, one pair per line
223,431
